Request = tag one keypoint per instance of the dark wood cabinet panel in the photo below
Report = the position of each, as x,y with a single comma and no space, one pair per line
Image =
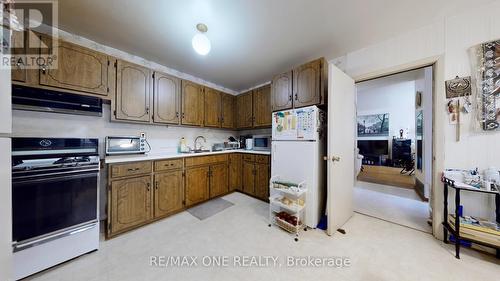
166,99
192,104
262,107
228,111
218,179
244,105
235,162
248,177
133,88
18,42
262,181
78,69
212,108
306,84
197,185
130,203
168,193
281,91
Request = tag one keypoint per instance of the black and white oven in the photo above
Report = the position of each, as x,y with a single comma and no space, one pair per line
54,201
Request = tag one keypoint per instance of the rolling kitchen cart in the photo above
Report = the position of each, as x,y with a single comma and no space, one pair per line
287,205
455,229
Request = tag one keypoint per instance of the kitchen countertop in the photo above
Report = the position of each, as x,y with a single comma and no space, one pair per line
153,156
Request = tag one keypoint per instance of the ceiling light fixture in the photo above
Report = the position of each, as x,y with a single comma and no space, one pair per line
201,43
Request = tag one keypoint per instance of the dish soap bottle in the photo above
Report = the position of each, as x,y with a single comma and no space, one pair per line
183,145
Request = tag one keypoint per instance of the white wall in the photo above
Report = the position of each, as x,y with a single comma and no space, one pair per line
395,98
447,39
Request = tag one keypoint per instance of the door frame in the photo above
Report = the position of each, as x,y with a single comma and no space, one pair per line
438,124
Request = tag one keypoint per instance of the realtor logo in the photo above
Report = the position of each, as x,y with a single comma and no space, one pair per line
29,34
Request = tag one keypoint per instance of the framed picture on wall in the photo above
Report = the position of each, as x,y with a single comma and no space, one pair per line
373,125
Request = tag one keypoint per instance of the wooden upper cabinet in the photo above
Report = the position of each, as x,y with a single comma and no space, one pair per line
192,104
306,84
262,107
281,91
228,111
18,43
197,185
212,108
168,193
244,106
133,88
78,69
218,179
166,99
130,203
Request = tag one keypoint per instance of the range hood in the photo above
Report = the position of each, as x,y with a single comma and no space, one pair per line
34,99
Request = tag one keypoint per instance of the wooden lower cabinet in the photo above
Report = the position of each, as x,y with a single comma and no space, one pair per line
197,185
235,163
248,177
262,181
168,193
218,179
130,203
256,174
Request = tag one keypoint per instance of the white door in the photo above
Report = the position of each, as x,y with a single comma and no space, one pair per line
341,145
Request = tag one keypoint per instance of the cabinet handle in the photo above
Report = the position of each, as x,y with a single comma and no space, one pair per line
183,115
44,69
156,185
132,170
296,97
290,97
147,109
177,114
148,185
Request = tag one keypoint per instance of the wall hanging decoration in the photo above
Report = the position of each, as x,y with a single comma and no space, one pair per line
486,68
458,87
373,125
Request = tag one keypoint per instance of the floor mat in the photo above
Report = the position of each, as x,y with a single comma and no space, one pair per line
210,208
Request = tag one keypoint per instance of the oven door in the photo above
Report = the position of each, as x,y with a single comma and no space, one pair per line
43,206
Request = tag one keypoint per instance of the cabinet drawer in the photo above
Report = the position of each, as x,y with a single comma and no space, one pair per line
264,159
205,160
170,164
130,169
249,157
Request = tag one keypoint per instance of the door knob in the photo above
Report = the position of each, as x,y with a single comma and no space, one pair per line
335,158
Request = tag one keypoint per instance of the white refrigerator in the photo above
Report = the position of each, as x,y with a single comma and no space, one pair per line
298,147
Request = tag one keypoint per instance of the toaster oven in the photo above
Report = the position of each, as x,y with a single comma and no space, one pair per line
116,145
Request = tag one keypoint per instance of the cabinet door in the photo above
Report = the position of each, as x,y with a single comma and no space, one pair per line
281,91
248,177
167,99
306,84
168,193
18,43
197,185
262,181
192,104
235,171
262,107
212,108
228,111
130,203
218,179
78,69
133,87
244,105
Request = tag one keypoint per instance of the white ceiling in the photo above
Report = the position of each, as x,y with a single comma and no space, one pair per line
251,39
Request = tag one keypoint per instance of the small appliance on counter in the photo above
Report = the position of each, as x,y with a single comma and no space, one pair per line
243,141
118,145
261,142
249,144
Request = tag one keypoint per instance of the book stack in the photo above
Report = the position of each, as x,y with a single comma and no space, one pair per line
477,229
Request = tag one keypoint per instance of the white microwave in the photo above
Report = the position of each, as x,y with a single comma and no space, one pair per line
262,142
116,145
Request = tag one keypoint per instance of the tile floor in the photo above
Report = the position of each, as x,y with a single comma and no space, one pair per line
394,204
377,250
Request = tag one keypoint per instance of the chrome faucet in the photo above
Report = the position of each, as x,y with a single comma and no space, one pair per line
196,142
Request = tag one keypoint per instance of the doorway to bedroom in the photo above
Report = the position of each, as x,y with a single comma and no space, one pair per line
394,140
